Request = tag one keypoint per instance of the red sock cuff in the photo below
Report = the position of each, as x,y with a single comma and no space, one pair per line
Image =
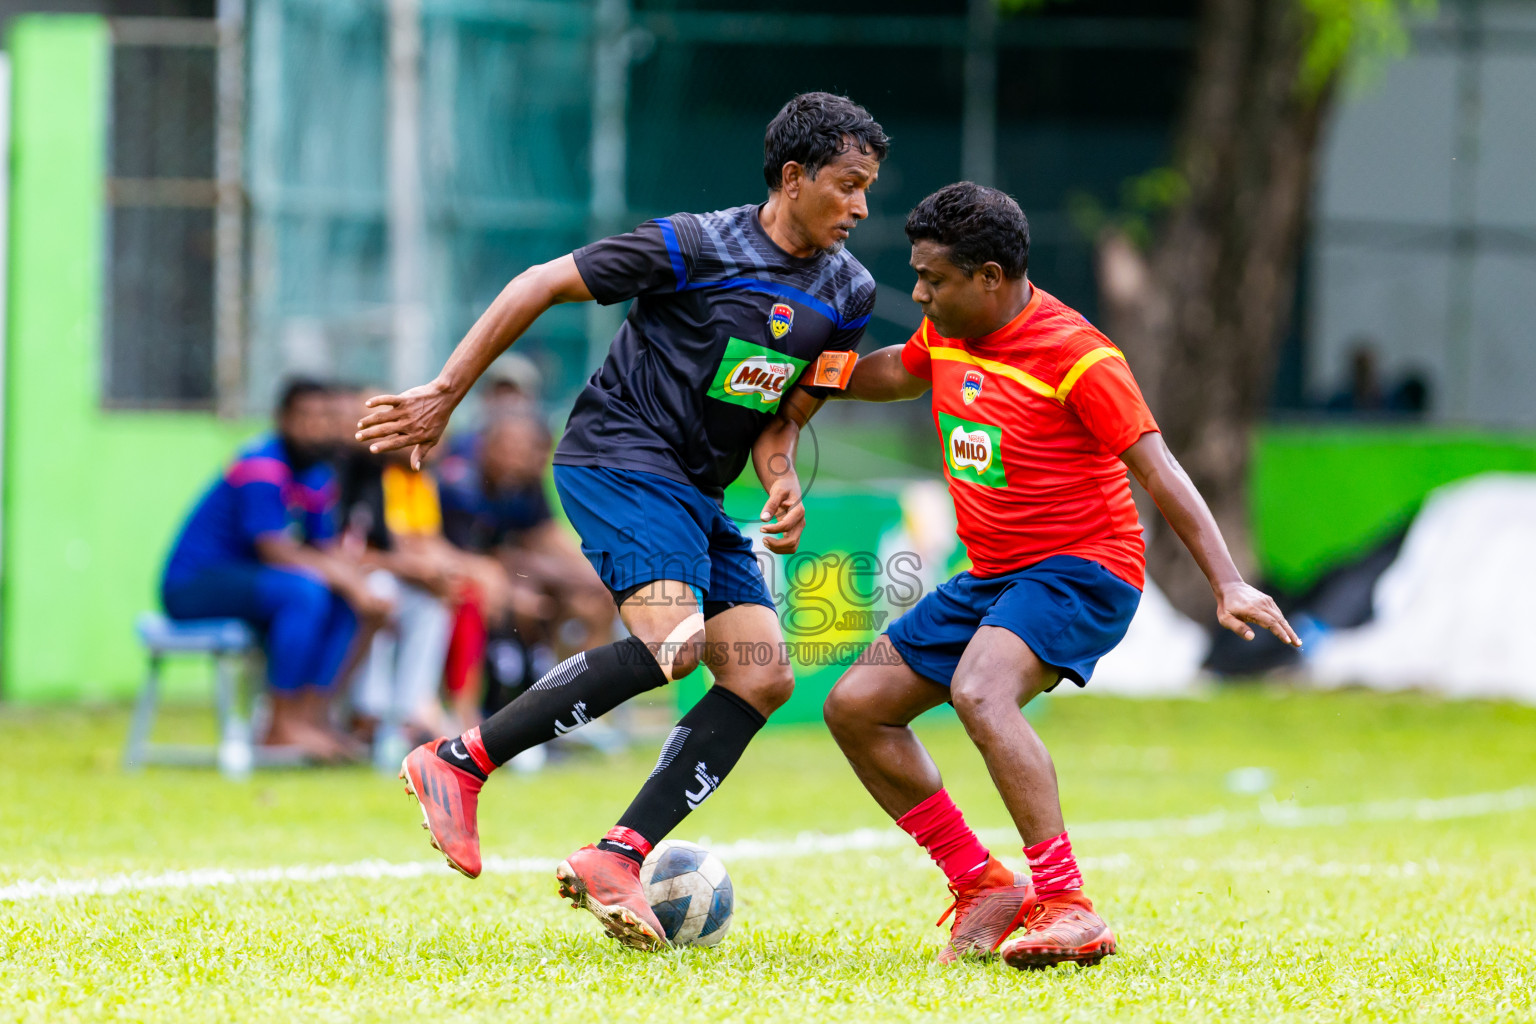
1053,866
938,827
476,748
932,813
629,837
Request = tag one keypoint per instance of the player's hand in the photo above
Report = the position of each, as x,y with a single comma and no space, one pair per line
416,417
784,515
1239,607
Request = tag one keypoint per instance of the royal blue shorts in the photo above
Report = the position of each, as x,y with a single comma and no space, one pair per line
639,527
1070,611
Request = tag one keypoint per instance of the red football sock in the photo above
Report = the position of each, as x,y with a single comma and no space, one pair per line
626,842
1053,866
476,748
940,828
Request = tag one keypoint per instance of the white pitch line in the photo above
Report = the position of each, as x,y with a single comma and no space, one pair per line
1270,814
1276,814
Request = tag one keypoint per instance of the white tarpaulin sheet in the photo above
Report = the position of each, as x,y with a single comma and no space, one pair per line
1456,612
1161,653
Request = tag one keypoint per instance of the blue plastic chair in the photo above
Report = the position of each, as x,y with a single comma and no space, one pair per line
231,644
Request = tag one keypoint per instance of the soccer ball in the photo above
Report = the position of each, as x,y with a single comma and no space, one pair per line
690,892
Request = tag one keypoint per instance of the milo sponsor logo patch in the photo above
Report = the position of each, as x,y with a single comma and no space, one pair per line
753,376
974,451
970,449
759,376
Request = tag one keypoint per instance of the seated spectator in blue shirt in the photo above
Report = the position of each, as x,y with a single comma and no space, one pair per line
257,547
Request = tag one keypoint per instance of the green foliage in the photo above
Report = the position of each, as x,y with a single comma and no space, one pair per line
1337,31
1365,31
1361,29
1143,199
1393,920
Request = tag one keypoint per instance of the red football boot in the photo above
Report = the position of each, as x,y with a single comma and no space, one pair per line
1061,929
608,884
987,912
448,797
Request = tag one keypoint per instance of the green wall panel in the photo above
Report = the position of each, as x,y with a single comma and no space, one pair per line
832,593
1321,495
91,497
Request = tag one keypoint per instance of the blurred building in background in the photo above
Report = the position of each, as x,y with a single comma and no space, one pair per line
1424,243
210,193
399,161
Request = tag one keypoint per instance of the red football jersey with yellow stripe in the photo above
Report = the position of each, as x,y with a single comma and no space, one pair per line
1033,418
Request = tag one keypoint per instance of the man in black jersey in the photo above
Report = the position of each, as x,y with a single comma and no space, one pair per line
735,313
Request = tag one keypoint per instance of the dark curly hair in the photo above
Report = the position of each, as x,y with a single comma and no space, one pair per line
976,224
813,129
295,389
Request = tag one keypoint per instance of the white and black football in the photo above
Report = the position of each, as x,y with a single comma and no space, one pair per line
688,888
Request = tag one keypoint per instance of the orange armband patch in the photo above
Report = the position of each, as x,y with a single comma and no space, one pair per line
833,369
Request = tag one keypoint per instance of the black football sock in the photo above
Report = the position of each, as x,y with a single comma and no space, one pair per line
573,693
702,749
456,753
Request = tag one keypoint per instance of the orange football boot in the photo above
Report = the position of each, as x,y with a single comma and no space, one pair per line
1061,929
987,911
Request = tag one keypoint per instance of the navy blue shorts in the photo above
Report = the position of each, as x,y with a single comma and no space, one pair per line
639,527
1070,611
309,629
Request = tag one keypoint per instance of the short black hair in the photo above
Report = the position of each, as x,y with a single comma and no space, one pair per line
977,224
813,129
296,389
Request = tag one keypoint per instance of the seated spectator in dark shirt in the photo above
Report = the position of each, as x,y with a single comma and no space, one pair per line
496,503
393,518
258,547
509,388
493,493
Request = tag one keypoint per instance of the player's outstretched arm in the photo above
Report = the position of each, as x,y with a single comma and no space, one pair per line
1237,604
881,377
773,457
419,416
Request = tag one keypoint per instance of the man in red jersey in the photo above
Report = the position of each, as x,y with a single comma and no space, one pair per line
1039,416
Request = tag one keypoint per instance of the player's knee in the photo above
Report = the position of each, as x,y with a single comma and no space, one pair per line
770,687
841,709
684,658
976,698
676,645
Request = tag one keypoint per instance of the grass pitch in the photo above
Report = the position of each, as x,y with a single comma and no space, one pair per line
1342,891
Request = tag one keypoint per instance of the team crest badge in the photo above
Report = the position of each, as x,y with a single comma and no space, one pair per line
970,388
780,319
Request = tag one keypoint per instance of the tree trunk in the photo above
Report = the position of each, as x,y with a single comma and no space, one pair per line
1200,314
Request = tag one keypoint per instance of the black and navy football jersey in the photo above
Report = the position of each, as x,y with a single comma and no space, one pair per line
723,324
